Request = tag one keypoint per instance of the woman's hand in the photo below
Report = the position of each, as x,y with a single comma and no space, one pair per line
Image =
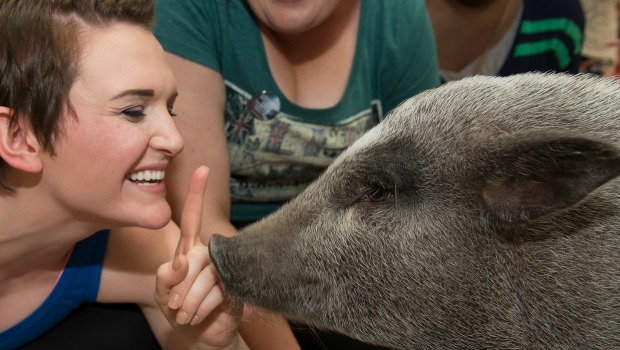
187,289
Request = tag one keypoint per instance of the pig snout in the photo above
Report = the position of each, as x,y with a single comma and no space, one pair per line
233,265
218,246
250,269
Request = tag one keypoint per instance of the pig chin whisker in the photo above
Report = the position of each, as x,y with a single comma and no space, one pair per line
234,302
317,337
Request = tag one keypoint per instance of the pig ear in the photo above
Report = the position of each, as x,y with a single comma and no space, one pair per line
535,174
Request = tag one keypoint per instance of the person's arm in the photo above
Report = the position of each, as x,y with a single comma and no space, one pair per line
200,120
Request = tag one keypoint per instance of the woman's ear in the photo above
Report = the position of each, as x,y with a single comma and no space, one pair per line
19,147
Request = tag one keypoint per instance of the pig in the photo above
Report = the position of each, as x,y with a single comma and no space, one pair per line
484,213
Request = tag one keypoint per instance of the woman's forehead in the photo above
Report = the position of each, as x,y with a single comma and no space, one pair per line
121,57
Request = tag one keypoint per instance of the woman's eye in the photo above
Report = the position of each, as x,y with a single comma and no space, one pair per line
134,113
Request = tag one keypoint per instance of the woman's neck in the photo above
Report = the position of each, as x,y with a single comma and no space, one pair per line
320,57
35,233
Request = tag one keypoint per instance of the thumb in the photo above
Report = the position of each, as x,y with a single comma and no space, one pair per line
169,275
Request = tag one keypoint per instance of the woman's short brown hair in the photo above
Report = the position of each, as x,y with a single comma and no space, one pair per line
40,56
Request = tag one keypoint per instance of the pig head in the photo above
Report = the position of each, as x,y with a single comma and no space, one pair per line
481,214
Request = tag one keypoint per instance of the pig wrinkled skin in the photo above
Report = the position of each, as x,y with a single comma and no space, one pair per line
481,214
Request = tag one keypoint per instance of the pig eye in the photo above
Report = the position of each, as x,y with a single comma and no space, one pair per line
376,194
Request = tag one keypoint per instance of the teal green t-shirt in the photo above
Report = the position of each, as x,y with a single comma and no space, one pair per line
275,157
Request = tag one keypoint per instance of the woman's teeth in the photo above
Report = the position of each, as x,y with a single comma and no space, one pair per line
148,176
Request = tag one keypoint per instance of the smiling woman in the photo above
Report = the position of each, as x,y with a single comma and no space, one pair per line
121,100
86,136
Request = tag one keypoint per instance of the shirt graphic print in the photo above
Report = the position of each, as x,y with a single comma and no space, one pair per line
274,158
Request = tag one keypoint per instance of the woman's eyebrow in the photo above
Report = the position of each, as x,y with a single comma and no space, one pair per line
136,92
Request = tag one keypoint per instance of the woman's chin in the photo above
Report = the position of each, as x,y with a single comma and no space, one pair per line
154,219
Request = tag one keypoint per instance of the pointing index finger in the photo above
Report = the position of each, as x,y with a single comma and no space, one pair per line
192,211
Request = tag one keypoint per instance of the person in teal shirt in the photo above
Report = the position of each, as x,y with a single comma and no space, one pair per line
272,91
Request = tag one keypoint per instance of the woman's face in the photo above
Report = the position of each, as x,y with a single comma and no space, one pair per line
292,16
110,160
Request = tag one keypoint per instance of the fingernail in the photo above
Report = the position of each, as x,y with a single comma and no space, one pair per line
174,302
182,317
176,263
195,320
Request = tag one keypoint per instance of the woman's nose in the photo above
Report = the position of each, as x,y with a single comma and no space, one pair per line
167,137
